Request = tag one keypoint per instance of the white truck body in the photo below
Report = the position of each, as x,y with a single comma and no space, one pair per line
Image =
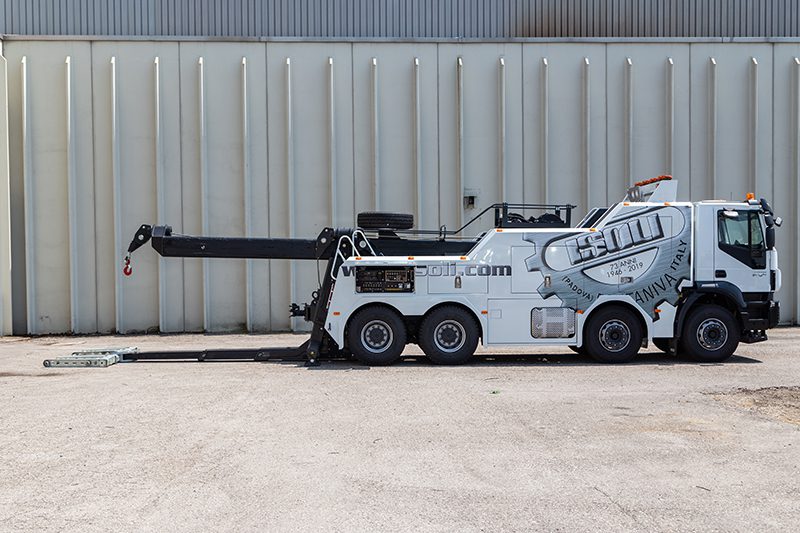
533,286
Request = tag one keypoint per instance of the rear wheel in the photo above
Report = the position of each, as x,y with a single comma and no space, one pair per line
711,334
376,336
449,335
613,335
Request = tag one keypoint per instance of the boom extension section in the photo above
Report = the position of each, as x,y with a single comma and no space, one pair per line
169,245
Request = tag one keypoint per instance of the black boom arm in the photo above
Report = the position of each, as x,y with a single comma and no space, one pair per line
169,245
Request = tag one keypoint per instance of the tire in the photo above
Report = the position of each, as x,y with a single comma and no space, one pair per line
613,335
449,335
711,334
663,345
379,220
376,336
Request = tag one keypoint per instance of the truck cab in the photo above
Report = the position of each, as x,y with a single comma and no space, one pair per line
736,261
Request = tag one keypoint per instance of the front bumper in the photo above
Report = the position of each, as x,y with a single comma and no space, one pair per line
761,314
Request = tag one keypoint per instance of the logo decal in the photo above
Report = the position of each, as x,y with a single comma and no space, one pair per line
642,252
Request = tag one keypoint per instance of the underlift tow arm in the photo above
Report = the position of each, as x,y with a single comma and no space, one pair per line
331,245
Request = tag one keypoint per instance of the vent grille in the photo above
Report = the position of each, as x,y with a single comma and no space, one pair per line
552,322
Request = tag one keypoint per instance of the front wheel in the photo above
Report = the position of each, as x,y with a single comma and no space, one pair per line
711,334
449,335
376,336
613,335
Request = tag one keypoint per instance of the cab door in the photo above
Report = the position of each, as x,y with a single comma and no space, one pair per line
740,254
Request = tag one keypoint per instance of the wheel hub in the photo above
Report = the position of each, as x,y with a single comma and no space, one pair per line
614,335
449,336
712,334
376,336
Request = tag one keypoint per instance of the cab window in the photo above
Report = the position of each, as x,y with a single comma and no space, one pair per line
741,236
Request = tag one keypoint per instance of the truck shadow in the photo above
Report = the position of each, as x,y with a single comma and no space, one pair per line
543,360
486,360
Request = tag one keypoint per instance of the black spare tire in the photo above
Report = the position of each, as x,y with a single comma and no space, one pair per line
381,220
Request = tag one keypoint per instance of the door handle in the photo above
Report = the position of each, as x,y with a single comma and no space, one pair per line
720,274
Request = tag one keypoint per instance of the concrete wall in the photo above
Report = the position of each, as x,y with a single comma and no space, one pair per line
284,138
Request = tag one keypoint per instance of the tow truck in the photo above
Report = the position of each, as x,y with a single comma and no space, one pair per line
695,278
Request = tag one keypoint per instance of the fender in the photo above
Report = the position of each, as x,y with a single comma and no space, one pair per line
612,299
723,288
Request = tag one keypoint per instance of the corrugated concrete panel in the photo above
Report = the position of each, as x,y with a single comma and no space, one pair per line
786,167
6,286
311,155
484,154
397,133
285,138
54,176
648,113
440,19
565,123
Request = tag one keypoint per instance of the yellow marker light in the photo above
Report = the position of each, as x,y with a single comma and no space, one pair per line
750,196
484,312
336,313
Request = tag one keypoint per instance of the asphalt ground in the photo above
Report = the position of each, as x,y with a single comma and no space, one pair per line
533,439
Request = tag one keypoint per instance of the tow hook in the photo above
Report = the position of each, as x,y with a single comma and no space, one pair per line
127,270
141,237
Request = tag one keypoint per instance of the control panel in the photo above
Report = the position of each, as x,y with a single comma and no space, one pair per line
383,279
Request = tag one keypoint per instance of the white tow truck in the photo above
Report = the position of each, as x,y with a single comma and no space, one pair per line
691,277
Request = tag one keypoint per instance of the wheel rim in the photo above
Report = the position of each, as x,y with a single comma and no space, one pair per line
615,335
376,336
712,334
449,336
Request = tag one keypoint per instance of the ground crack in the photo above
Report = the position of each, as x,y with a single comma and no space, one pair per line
619,506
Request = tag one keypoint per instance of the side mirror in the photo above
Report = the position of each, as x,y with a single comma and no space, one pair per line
770,238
